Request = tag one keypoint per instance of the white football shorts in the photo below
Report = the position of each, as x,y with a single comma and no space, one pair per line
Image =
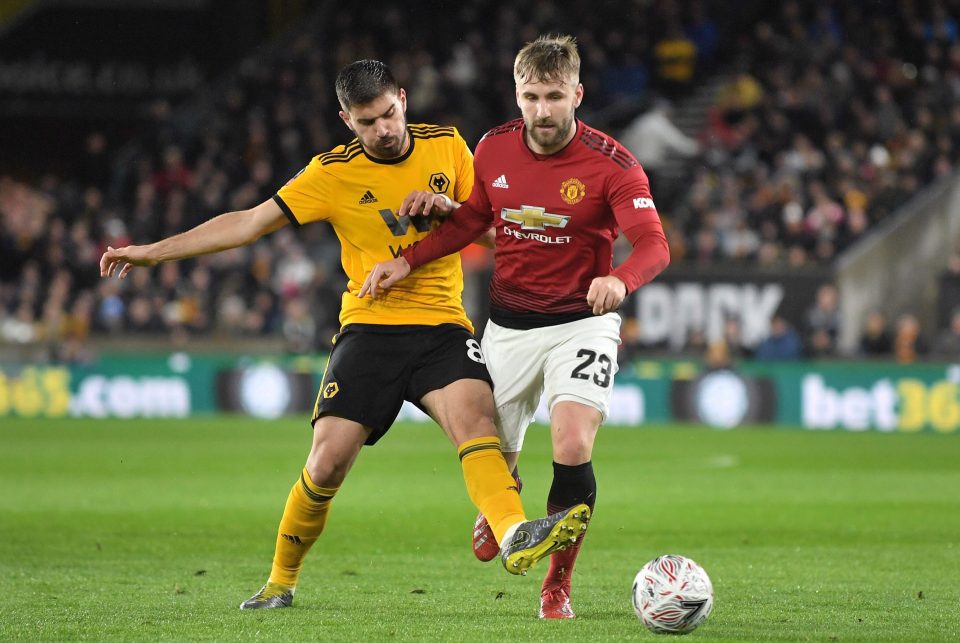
574,362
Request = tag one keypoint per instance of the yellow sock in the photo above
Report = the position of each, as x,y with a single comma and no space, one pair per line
303,520
490,485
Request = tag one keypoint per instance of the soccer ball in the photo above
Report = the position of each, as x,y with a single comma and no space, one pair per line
672,595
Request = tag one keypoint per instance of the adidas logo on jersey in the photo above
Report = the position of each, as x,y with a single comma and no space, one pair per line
500,182
367,198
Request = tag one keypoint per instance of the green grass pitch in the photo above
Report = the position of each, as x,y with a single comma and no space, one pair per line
157,530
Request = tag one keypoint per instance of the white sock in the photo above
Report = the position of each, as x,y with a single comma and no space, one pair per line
508,535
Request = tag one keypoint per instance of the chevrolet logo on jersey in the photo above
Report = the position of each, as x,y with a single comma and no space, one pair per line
533,218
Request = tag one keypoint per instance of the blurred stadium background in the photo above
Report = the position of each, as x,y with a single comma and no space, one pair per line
802,155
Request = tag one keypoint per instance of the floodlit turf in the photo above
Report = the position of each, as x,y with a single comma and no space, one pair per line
157,530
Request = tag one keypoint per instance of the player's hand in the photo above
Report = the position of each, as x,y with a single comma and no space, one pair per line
425,203
606,294
124,258
384,275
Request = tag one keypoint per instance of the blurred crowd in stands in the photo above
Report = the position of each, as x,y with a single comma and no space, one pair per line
829,116
834,114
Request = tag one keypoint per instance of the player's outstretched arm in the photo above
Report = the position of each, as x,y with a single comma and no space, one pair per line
222,232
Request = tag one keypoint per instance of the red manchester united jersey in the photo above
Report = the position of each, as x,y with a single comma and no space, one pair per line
556,216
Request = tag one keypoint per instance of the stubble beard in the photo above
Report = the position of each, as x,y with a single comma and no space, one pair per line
549,141
378,150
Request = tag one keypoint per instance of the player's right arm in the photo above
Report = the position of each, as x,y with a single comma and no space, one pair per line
460,230
467,223
223,232
424,203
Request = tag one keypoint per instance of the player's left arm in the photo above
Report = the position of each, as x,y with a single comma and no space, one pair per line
637,217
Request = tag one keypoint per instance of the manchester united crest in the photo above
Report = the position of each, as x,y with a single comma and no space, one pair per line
573,191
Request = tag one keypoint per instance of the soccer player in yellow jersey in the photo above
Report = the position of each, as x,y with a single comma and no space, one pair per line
415,344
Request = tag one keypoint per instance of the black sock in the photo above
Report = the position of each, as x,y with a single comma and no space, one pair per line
572,485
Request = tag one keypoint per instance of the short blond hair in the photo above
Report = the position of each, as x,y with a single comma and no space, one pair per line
548,58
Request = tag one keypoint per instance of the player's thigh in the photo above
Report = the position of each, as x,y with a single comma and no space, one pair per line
449,381
463,409
515,359
365,379
582,362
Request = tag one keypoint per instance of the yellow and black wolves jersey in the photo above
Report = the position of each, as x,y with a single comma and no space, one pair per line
359,196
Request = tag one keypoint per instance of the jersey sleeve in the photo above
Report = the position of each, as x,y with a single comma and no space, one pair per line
463,165
306,197
478,206
649,257
630,199
632,204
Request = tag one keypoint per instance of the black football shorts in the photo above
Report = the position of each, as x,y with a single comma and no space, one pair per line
373,368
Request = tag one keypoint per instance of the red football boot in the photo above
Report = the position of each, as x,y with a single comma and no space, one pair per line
485,545
555,601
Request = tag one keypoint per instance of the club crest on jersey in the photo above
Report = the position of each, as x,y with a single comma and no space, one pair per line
330,390
573,191
533,218
439,182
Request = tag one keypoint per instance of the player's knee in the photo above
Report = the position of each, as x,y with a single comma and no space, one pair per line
574,427
325,468
325,474
572,446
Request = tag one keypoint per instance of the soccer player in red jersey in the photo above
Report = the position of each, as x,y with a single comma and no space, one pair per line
557,192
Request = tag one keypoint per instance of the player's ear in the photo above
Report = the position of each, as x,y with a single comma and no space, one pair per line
578,93
402,95
345,117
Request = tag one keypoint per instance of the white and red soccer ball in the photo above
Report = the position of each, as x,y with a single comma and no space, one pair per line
672,595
